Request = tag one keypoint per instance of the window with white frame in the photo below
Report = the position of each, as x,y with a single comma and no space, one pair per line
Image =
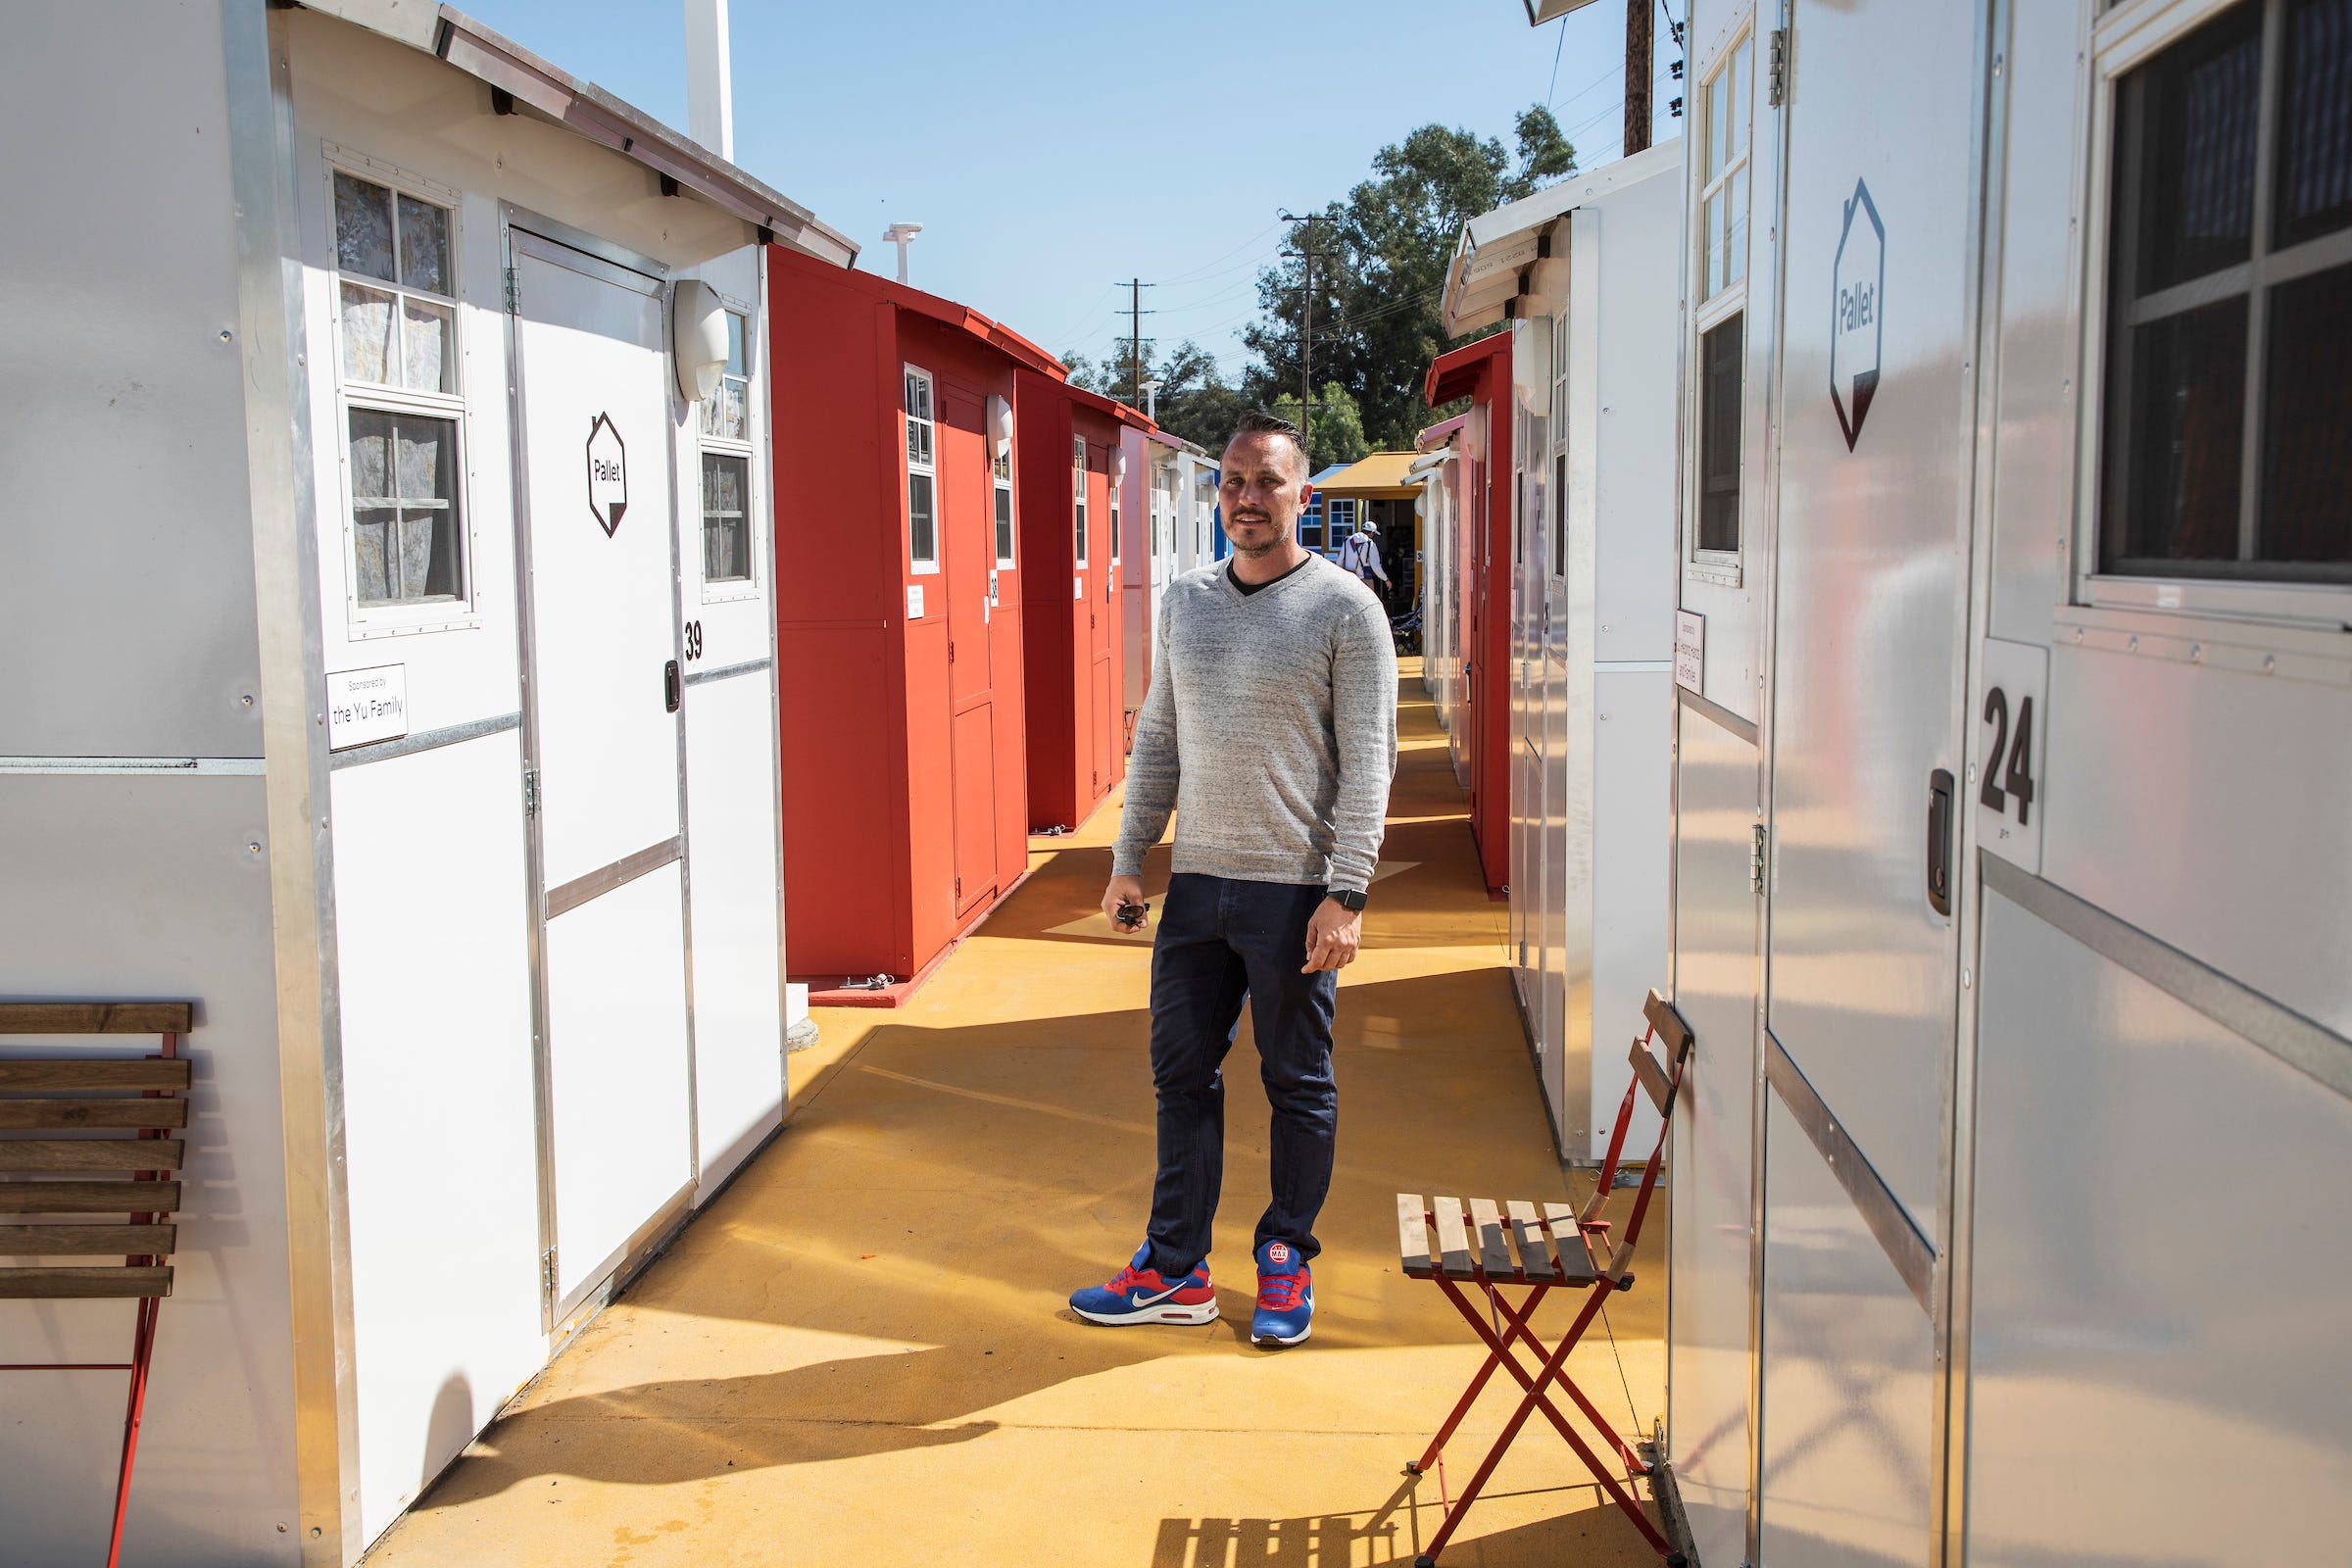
922,473
1078,490
727,532
1725,99
396,364
1001,468
1338,513
1310,524
1114,516
2228,424
1559,444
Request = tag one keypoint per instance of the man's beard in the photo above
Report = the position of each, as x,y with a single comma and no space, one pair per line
1272,544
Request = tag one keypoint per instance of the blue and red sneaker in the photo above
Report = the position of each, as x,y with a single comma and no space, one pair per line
1285,1297
1139,1294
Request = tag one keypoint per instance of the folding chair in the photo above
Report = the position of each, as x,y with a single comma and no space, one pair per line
141,1100
1558,1249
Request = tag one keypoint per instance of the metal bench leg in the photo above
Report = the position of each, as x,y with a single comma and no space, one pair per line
142,1355
1478,1384
1519,1329
1625,1502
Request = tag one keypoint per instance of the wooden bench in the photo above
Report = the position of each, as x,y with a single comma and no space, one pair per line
85,1136
1538,1248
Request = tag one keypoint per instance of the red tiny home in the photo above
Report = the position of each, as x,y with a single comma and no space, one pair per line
899,622
1481,371
1067,440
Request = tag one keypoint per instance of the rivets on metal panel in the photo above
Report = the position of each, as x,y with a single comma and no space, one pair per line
226,336
244,699
2270,663
2135,645
1996,64
2196,653
1968,977
252,845
2078,634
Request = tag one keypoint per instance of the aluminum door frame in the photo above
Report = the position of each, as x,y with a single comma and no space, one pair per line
553,1311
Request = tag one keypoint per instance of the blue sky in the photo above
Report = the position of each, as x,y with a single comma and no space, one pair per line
1051,150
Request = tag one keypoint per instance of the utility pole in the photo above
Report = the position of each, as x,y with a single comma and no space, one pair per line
1307,255
1637,51
1135,337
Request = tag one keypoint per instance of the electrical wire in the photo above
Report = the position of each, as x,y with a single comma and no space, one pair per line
1553,86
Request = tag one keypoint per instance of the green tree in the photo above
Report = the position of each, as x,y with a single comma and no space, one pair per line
1336,434
1379,289
1194,400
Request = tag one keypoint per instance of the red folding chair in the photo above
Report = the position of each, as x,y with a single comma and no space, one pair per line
128,1175
1558,1249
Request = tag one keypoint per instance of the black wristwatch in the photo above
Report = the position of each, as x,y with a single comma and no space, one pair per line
1350,900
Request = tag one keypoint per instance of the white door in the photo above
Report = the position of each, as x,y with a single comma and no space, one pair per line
603,699
1874,438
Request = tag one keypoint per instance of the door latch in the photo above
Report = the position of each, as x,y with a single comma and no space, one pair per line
1940,841
1755,860
673,690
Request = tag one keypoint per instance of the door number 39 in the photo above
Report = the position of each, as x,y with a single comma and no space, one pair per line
694,640
2009,764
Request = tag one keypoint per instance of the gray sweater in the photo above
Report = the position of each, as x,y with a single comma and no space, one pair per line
1270,730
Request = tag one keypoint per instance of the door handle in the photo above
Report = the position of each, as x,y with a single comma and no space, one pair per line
672,689
1940,841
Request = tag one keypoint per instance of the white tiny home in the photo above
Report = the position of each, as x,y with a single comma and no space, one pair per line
1584,274
1167,525
390,604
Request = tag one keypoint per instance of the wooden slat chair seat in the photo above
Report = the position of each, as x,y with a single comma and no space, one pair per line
89,1147
1538,1248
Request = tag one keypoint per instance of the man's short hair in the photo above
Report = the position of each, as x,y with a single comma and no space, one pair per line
1257,421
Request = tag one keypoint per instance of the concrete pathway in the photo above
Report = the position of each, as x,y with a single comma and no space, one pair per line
860,1353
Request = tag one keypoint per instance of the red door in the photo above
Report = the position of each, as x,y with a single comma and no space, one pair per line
968,536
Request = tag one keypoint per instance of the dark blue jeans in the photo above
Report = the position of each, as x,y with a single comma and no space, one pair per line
1220,941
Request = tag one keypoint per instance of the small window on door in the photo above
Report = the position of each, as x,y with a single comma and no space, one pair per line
922,475
1725,99
727,517
726,412
1078,491
1001,468
1114,519
396,366
2228,367
1722,359
1559,439
729,536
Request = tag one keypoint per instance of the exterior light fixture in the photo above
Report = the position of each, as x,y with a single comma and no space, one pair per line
902,236
698,338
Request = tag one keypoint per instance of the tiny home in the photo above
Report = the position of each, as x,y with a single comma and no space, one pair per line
1069,441
1162,487
1584,274
899,622
1377,490
422,738
1481,512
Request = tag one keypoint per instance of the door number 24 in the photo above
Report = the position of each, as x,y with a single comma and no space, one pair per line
2009,764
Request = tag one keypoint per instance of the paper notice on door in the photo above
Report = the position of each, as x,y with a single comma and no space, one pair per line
914,601
1691,652
366,705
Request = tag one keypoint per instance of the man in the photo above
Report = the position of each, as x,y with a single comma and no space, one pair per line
1362,556
1270,728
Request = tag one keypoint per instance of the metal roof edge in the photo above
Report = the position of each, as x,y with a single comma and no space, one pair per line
1546,206
590,111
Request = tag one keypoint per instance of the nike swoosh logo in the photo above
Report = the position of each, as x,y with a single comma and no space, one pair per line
1139,1299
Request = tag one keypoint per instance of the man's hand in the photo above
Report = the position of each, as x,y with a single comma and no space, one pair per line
1332,937
1123,889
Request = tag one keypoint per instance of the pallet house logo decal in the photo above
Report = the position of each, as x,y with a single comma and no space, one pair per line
608,473
1860,282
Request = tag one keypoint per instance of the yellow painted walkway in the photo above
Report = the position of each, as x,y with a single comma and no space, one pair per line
861,1355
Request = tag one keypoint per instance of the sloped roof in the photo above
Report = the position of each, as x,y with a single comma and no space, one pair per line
1382,470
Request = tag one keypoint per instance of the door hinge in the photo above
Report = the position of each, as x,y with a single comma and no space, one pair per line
530,792
959,890
1756,860
515,282
546,1273
951,649
1775,88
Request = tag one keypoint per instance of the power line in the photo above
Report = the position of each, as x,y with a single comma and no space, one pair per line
1186,278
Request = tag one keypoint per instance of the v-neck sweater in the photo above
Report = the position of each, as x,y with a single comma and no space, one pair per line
1269,730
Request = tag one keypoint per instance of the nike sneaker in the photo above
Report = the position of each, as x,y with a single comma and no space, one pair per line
1285,1297
1139,1294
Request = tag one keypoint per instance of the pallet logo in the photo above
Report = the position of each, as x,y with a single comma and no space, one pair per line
608,473
1857,313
